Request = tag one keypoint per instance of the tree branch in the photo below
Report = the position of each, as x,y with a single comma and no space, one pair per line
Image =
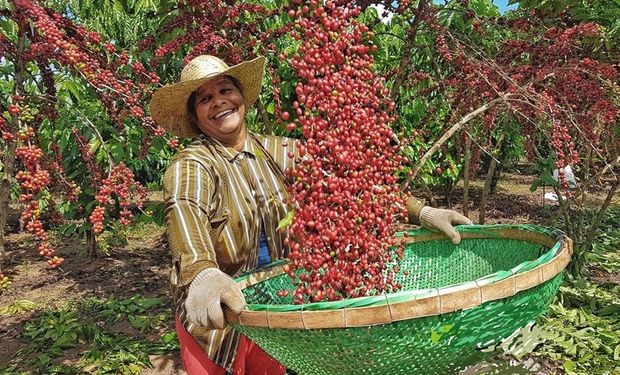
599,215
449,134
409,42
267,126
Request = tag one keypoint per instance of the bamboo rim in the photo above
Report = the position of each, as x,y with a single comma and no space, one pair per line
412,304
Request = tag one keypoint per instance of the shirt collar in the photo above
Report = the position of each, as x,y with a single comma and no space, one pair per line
230,153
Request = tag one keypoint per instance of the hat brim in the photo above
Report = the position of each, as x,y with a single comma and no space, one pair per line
169,103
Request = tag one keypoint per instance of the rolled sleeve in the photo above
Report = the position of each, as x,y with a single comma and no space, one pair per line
414,207
188,193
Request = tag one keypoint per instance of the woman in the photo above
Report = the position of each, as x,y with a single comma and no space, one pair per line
225,195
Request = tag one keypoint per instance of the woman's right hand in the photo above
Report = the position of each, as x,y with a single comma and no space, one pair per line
208,291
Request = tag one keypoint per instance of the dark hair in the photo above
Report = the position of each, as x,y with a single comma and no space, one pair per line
191,101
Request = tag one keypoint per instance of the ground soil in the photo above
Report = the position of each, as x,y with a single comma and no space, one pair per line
142,266
138,268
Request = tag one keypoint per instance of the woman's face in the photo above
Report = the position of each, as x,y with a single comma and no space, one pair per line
220,109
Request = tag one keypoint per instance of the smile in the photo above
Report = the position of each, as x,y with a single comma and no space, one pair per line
223,113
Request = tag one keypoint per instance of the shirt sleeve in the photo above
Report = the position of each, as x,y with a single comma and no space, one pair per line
188,193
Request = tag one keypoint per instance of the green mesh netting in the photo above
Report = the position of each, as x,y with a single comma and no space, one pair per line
441,344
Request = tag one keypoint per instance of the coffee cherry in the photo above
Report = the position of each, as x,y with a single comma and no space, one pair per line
173,143
342,229
14,109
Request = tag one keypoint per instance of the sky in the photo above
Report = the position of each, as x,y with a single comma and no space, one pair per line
502,4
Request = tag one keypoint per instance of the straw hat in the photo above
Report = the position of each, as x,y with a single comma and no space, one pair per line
169,104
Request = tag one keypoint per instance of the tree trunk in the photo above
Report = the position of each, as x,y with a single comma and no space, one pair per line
585,185
92,247
450,191
466,176
592,230
5,191
487,185
502,157
267,125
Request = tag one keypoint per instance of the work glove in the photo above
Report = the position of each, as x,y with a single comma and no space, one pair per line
209,290
440,220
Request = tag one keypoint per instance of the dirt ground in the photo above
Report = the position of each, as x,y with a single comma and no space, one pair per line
142,267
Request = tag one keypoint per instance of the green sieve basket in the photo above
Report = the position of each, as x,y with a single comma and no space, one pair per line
456,301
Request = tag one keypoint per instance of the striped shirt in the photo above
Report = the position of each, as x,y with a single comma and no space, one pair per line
217,202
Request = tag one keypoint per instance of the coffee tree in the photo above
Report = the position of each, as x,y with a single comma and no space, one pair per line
546,73
72,117
75,135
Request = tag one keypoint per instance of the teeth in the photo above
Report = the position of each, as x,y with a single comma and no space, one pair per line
223,113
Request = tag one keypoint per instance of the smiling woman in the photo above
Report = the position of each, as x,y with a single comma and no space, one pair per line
219,110
225,195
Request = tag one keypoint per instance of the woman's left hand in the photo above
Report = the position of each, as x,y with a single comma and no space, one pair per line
441,220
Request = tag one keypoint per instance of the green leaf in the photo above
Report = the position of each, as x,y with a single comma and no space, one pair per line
271,107
169,338
73,90
286,89
611,309
94,145
138,322
66,340
147,303
584,332
547,178
435,337
68,230
287,220
9,27
18,307
617,353
117,151
43,359
484,8
64,141
569,366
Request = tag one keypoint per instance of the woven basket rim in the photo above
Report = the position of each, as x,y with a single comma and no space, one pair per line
409,304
